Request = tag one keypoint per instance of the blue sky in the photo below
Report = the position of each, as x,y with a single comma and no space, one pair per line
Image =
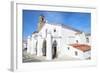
80,21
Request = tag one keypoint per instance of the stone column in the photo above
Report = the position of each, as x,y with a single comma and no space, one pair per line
39,46
49,47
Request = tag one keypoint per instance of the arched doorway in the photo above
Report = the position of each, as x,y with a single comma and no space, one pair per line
54,49
44,48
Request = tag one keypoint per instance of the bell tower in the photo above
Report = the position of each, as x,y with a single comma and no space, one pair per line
41,22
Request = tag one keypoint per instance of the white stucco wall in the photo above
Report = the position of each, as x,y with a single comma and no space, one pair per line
49,28
80,54
33,45
63,37
49,47
39,46
81,38
68,37
87,54
29,44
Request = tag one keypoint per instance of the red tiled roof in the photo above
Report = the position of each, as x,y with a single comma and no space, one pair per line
82,47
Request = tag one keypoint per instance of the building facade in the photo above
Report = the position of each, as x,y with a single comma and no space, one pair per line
57,40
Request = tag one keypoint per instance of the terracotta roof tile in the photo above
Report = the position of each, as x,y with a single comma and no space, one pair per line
82,47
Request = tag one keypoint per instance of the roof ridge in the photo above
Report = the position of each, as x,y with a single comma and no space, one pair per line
66,26
70,27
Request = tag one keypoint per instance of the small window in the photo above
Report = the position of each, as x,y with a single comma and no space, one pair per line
54,30
68,48
87,39
76,53
76,41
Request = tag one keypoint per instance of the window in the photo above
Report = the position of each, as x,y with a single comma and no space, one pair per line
68,48
76,41
87,40
76,53
54,30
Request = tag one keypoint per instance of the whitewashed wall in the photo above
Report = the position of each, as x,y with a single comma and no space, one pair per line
29,44
82,38
87,54
49,28
80,54
63,37
33,45
39,46
65,40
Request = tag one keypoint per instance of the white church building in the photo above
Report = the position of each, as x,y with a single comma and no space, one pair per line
56,40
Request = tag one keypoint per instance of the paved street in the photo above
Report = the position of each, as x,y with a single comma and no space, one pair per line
34,58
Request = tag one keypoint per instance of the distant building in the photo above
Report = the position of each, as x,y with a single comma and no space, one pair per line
57,40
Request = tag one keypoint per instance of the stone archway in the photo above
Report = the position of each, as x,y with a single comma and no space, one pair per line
44,48
54,49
